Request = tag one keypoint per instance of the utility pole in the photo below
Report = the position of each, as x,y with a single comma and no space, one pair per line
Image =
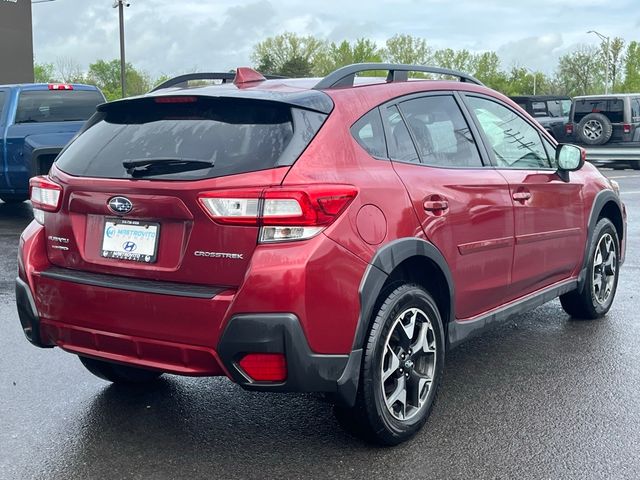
606,39
120,4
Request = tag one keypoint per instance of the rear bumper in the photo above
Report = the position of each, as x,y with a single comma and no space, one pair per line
175,328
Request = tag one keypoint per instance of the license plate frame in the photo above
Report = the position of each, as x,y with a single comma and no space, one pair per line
142,234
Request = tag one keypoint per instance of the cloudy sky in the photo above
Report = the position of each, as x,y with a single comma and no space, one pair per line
176,36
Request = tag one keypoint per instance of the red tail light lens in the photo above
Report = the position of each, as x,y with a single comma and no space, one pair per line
60,86
626,128
265,367
283,213
568,128
45,196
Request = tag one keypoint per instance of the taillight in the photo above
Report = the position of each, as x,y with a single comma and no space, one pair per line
568,129
282,213
178,99
626,128
45,196
265,367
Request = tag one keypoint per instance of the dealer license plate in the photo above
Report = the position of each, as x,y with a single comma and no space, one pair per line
132,240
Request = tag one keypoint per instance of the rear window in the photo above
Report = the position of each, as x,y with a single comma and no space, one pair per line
211,137
2,100
57,105
612,108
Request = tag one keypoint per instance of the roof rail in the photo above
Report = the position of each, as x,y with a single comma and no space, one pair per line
345,76
183,80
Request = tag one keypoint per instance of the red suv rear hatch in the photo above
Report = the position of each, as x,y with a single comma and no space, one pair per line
133,181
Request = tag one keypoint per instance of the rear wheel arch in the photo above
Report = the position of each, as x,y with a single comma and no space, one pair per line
407,260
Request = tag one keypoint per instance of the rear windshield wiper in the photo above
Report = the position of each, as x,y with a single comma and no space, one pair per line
162,166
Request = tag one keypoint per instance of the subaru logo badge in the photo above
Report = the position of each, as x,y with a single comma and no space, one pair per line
120,205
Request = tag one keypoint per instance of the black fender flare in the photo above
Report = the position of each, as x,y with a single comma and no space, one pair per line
383,263
602,198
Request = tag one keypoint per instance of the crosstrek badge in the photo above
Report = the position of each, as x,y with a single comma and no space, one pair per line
234,256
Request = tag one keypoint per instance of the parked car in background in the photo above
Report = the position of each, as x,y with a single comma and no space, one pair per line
334,235
36,122
552,112
609,127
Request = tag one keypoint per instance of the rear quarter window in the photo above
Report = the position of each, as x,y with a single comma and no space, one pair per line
36,106
3,96
232,135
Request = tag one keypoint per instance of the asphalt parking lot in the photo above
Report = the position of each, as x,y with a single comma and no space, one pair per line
544,397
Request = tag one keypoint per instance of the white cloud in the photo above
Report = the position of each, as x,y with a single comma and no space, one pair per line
174,36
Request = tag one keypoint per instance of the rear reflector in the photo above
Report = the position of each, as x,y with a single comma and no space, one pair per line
626,128
568,128
265,367
60,86
179,99
45,196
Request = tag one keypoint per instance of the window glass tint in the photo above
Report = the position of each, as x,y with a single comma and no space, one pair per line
401,145
369,133
3,96
559,108
612,108
57,105
539,109
441,133
635,109
551,152
235,135
514,142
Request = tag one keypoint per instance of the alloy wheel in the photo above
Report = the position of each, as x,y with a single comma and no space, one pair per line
408,364
604,269
593,129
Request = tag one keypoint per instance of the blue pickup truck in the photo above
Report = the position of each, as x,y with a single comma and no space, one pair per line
36,122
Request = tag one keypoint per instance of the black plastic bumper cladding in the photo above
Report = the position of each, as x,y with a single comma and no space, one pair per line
28,314
278,333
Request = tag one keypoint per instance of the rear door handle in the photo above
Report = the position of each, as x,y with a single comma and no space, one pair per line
521,196
435,205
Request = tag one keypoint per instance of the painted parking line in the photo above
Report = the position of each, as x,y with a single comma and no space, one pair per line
626,176
630,193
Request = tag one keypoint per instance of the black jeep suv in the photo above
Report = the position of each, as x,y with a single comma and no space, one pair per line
551,111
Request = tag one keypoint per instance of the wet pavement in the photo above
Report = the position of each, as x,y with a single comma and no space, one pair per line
543,397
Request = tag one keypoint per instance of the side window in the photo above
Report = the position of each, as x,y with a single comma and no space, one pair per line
401,146
514,142
635,109
539,109
3,97
441,132
369,133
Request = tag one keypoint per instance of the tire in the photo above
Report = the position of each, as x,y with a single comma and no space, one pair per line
595,129
13,199
119,374
602,276
405,345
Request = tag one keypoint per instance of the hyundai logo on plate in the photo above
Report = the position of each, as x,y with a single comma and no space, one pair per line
120,205
129,246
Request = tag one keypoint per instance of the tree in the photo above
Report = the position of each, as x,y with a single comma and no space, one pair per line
43,72
581,71
632,68
106,76
338,55
462,60
407,49
487,70
287,54
616,59
69,71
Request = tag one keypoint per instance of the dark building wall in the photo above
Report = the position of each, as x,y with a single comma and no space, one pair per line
16,42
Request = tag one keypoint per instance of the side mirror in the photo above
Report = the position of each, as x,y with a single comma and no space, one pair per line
569,159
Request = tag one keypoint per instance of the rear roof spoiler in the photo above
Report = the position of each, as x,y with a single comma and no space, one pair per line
241,75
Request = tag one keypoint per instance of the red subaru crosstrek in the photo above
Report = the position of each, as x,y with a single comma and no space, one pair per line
334,235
